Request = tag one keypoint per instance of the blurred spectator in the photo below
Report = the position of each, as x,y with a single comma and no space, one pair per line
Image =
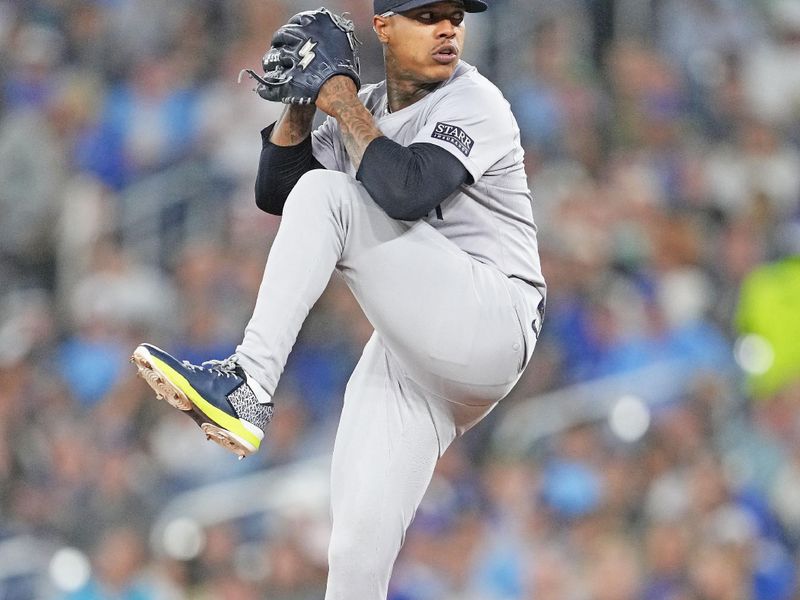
666,546
293,572
119,561
613,571
232,115
149,122
771,68
758,176
36,51
700,36
556,104
716,574
768,316
35,139
115,299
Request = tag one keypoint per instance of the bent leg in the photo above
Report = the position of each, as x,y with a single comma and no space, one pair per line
445,316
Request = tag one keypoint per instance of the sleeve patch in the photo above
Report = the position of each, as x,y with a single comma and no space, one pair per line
454,135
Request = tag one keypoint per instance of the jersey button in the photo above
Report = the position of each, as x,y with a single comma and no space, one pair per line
516,346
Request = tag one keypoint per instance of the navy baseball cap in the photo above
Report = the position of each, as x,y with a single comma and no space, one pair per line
398,6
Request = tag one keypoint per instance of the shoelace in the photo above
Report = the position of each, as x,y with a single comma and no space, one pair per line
226,367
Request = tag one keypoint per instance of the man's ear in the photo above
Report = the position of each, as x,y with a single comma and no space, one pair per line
380,26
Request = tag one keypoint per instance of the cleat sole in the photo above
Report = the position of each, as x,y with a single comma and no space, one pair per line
158,381
228,440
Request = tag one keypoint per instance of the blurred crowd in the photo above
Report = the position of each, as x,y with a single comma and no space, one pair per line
662,143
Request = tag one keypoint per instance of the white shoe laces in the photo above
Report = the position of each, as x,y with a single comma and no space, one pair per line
226,367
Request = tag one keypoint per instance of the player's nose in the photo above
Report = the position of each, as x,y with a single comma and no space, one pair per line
445,29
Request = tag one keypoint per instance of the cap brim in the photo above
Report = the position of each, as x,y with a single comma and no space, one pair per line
470,6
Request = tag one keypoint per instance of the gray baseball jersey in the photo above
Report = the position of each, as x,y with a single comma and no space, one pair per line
490,219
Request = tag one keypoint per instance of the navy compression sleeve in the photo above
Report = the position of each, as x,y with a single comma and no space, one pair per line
407,182
279,169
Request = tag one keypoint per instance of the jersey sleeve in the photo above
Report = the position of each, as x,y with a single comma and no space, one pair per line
323,144
474,124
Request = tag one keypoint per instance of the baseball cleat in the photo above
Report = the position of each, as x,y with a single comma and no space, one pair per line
230,407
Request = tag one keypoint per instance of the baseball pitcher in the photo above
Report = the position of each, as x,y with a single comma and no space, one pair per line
414,190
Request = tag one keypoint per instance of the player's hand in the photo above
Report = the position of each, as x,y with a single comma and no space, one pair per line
336,94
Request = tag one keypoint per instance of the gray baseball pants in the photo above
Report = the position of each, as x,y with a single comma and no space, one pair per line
452,336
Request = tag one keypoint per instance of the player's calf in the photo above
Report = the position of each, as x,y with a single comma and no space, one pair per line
231,408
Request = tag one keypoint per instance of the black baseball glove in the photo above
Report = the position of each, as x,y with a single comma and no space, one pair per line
311,48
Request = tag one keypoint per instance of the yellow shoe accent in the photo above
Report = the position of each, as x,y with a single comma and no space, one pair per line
218,416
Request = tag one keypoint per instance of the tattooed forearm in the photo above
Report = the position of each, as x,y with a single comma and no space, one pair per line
294,125
357,126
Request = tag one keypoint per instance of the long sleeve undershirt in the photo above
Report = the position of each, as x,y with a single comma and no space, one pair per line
406,182
279,169
409,181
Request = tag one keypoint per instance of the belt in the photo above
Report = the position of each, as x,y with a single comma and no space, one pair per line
541,307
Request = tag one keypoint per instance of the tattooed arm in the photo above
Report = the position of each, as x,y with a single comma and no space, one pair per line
407,182
294,126
286,155
287,151
339,98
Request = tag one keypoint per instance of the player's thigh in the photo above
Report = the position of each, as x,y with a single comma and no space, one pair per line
438,309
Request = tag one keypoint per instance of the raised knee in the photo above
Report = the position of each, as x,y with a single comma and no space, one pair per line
322,180
319,187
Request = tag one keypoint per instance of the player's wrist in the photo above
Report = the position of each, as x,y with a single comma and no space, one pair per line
301,114
337,94
294,126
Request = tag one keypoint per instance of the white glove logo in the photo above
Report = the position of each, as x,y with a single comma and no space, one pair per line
306,53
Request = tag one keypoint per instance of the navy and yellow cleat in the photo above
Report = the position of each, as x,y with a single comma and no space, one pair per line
230,407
